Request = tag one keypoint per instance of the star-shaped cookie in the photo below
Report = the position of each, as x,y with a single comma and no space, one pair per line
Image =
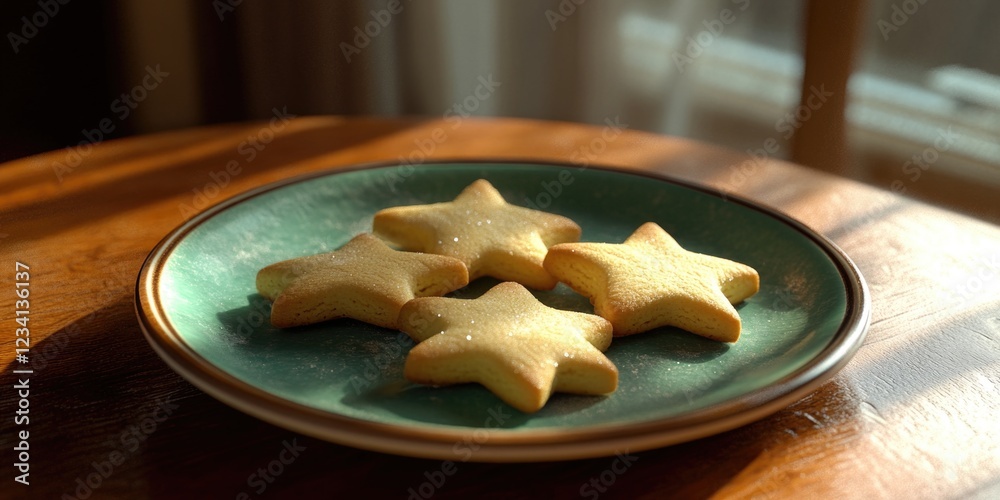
650,281
364,280
508,341
492,237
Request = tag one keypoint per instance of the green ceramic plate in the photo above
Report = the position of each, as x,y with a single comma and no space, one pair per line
342,380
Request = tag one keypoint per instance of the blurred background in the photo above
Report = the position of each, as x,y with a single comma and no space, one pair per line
902,94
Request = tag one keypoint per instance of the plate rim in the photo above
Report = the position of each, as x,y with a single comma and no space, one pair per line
500,445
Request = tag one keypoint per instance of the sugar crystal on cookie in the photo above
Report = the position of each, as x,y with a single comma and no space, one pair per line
492,237
650,281
508,341
364,280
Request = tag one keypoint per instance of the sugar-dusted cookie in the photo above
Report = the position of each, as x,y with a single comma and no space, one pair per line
479,228
650,281
365,280
508,341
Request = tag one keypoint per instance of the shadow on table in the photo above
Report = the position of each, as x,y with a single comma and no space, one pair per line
164,163
105,410
462,405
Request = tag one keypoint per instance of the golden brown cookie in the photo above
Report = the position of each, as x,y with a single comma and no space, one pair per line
650,281
508,341
364,280
492,237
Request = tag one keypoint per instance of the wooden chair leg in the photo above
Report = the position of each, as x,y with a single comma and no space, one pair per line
832,37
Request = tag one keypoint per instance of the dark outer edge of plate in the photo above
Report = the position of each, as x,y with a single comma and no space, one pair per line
498,445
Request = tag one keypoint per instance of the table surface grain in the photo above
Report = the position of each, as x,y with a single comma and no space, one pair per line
913,415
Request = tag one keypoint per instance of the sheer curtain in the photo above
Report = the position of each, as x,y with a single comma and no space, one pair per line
554,60
722,71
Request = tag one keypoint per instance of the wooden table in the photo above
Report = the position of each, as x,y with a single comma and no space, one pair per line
914,415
